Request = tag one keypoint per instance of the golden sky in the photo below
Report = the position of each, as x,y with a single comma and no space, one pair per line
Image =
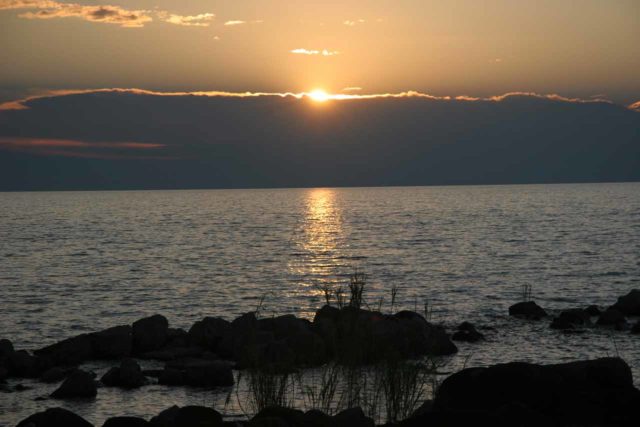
576,48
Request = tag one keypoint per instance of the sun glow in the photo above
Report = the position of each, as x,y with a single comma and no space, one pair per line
319,95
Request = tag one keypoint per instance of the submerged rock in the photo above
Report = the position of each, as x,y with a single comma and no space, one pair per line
570,319
527,310
127,375
629,305
80,384
467,332
614,318
150,333
54,417
595,392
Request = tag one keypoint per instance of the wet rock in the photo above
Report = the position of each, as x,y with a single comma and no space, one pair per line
150,333
353,417
177,337
4,374
54,417
128,375
80,384
595,392
193,416
71,351
571,319
24,365
21,387
593,310
126,422
527,310
242,337
55,374
112,343
198,373
6,349
208,332
614,318
468,333
278,416
629,305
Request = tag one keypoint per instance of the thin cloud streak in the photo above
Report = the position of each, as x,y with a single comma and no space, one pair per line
81,149
22,104
323,52
201,20
106,14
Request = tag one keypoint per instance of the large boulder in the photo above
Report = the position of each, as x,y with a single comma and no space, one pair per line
71,351
150,333
612,318
79,384
198,373
208,332
112,343
571,319
54,417
468,333
187,416
527,310
127,375
55,374
629,305
596,392
126,422
24,365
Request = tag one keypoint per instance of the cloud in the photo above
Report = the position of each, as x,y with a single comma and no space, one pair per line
201,20
354,23
107,14
232,23
352,89
81,149
323,52
635,106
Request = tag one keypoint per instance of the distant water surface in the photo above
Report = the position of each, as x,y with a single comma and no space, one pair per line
72,262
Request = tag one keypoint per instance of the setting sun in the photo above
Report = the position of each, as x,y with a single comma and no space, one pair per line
319,95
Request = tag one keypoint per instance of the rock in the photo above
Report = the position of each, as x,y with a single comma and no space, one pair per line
177,337
173,353
353,417
198,373
126,422
21,387
278,416
4,374
570,319
6,349
629,305
150,333
71,351
468,333
188,416
636,328
595,392
54,417
527,310
612,317
23,365
593,310
127,375
79,384
112,343
316,418
208,332
55,374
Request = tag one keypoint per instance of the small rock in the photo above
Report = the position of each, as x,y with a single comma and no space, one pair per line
54,417
527,310
126,422
6,349
570,319
198,373
55,374
636,328
614,318
21,387
192,416
4,374
208,332
468,333
78,384
593,310
150,333
127,375
23,365
629,305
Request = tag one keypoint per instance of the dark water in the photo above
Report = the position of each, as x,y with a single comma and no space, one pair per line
77,262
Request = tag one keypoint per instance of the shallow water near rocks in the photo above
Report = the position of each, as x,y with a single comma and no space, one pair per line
73,262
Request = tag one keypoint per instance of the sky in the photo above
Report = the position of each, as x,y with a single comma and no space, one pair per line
274,93
576,48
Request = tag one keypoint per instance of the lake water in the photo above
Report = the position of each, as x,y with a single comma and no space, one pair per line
72,262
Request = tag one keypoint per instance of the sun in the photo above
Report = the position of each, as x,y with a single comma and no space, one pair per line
319,95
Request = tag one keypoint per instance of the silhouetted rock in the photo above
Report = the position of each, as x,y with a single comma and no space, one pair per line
629,305
636,328
112,343
197,373
4,374
150,333
292,338
593,310
208,332
173,353
596,392
278,416
6,349
192,416
467,332
126,422
570,319
316,418
455,419
79,384
24,365
55,374
54,417
177,337
127,375
352,417
527,310
612,317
